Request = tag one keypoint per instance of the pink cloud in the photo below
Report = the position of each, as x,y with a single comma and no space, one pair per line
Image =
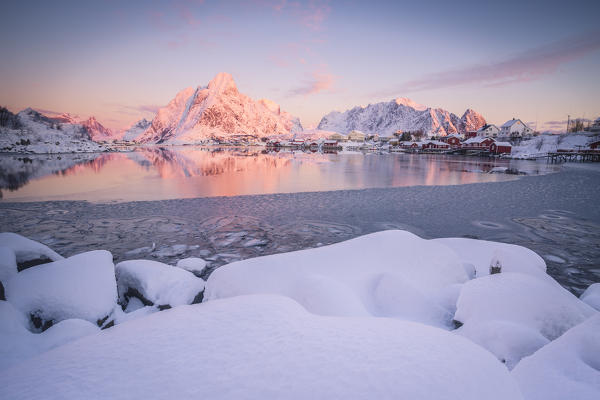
524,67
318,82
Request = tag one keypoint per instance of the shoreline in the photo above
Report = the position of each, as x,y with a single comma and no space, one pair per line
552,214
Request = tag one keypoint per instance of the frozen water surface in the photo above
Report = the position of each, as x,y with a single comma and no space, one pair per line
555,214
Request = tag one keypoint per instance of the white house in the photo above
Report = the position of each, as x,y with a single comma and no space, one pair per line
488,130
356,136
595,127
515,128
337,136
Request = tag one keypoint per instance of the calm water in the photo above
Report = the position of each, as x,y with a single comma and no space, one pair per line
155,173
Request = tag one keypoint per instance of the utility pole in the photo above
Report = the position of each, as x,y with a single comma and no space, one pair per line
568,120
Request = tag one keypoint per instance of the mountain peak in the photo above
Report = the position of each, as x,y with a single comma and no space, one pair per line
404,101
222,82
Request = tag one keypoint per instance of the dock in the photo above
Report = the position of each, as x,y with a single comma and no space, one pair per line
578,156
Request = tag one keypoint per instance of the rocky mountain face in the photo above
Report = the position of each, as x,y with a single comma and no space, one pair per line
136,130
471,121
217,110
400,114
96,130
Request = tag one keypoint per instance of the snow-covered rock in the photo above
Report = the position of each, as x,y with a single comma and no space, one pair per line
198,114
155,283
390,273
591,296
38,133
508,341
18,344
522,299
82,286
8,264
568,368
194,265
512,258
400,114
262,347
25,252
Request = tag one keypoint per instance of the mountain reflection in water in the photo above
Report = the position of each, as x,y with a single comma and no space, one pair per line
157,173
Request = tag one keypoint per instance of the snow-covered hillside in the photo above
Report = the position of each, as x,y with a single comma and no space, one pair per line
33,132
135,130
400,114
543,144
216,110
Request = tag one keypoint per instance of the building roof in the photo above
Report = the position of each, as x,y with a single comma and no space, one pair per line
477,140
483,128
505,144
437,143
511,122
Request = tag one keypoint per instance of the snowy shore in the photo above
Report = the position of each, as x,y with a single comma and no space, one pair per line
387,315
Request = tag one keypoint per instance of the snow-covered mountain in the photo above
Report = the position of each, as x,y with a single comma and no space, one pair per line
96,130
400,114
217,110
136,130
30,131
471,121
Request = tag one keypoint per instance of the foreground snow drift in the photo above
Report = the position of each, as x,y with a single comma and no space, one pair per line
318,338
568,368
16,250
391,273
262,347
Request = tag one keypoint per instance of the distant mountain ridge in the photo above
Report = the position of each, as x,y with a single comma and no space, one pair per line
401,114
217,110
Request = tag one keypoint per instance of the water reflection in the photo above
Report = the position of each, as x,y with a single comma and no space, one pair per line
155,173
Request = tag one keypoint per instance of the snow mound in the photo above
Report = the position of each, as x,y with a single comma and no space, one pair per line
522,300
508,341
217,350
513,258
568,368
155,283
390,273
27,250
82,286
18,344
194,265
591,296
8,263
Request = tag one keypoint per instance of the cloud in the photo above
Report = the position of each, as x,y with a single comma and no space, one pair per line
524,67
311,13
318,82
136,110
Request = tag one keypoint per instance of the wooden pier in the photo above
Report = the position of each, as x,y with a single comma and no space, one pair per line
570,156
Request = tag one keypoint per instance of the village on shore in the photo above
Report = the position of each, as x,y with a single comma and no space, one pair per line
489,140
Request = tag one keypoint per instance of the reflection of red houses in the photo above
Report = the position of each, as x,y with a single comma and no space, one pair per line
477,143
330,144
409,145
595,145
500,148
434,144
